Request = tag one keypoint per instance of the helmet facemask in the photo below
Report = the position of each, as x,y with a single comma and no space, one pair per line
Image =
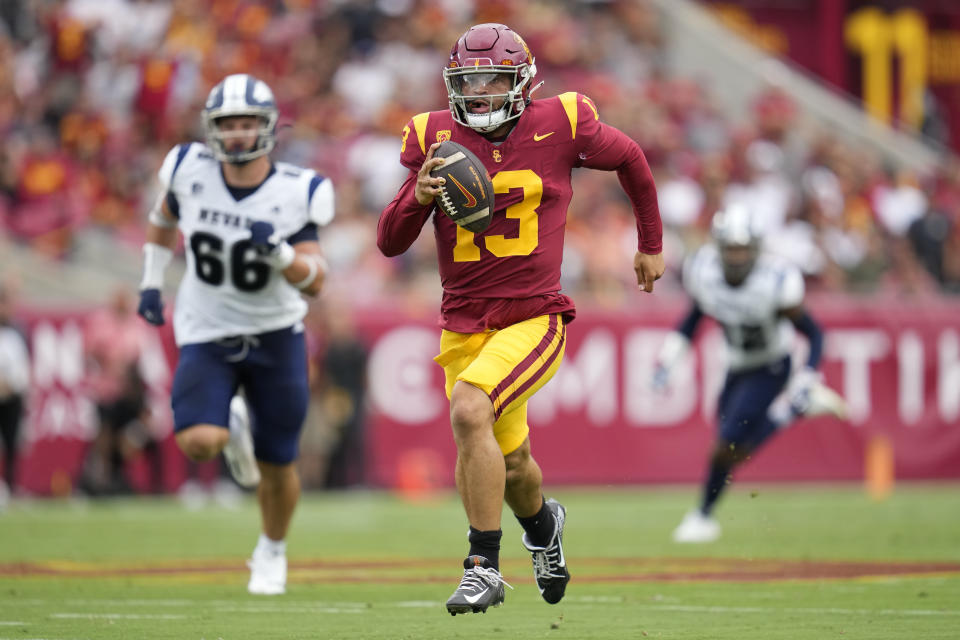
240,95
467,86
738,260
738,239
217,139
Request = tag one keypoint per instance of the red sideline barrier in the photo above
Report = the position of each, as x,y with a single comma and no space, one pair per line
597,422
61,419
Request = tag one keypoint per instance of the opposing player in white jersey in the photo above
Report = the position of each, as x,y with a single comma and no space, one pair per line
757,299
250,232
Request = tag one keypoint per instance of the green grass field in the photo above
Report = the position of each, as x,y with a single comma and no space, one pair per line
794,562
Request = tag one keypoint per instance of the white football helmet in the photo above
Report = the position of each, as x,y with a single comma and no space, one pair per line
241,94
738,237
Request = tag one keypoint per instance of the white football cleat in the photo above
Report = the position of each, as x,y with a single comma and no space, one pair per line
226,494
192,495
268,573
239,450
817,399
824,401
696,528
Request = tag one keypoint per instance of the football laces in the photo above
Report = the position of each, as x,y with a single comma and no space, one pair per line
447,201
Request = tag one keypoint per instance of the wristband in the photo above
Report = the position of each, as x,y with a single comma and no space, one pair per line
317,265
155,261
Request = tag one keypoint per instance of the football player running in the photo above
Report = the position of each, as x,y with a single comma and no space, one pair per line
250,231
756,298
502,314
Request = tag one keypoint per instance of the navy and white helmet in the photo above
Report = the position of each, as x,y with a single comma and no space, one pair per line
241,94
738,236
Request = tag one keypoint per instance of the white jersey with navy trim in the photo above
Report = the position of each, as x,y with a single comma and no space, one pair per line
227,290
756,333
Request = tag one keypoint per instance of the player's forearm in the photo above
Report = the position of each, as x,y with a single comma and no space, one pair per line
688,326
638,184
616,151
806,325
157,254
308,271
401,221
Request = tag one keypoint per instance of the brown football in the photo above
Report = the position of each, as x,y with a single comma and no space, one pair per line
467,196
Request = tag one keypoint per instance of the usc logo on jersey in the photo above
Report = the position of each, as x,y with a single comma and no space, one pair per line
497,156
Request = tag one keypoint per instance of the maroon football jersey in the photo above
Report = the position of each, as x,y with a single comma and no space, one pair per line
511,271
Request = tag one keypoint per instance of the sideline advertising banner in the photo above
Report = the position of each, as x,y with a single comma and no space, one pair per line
596,422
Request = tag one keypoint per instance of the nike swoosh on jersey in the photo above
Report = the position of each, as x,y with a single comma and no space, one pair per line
473,599
537,137
471,201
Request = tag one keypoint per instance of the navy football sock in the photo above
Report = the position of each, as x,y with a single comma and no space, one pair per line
716,482
540,526
767,428
486,544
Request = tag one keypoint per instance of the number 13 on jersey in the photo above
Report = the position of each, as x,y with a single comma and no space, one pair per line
524,211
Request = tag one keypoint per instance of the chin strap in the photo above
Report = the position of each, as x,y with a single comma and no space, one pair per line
493,126
534,88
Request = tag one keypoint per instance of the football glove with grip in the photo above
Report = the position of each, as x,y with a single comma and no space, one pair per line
674,348
274,250
799,387
806,395
151,307
661,377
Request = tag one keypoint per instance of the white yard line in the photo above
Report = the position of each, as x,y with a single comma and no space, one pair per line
417,604
130,602
829,610
120,616
304,609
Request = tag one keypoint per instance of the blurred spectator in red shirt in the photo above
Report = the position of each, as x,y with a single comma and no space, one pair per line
114,340
44,207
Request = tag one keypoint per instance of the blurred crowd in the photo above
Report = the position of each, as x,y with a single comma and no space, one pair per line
93,93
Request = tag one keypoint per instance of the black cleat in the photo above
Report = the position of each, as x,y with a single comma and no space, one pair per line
481,587
549,564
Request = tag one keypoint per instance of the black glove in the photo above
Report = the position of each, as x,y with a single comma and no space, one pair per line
151,307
